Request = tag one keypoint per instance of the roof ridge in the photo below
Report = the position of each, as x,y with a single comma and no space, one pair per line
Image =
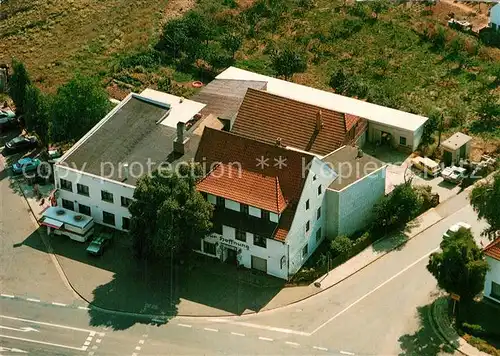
492,244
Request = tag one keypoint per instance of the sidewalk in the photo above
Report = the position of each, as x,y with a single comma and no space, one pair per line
444,325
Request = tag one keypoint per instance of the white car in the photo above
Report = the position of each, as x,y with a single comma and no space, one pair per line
454,228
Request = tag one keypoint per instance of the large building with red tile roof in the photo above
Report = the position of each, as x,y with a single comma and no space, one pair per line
268,202
492,280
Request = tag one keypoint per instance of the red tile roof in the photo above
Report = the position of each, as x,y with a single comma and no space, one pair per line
243,186
261,159
266,117
493,249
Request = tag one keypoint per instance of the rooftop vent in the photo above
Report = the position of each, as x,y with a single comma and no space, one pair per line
319,120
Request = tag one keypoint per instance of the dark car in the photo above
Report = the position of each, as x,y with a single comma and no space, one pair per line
7,120
21,143
98,244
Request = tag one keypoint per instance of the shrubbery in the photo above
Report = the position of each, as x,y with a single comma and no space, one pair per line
341,246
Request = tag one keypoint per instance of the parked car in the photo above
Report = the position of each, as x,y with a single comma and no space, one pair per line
454,228
454,174
426,165
7,120
99,243
25,165
21,143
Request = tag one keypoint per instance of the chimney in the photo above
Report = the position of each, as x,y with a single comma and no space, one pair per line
278,142
360,153
319,120
180,141
125,171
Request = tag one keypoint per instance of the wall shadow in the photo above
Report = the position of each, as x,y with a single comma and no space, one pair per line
425,341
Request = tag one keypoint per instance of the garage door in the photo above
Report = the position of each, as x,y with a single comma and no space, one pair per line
259,264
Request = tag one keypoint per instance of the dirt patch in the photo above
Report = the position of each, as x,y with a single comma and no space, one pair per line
476,14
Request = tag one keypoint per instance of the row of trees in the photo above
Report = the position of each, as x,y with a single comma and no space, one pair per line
65,116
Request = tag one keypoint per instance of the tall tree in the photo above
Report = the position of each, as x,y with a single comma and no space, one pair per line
485,199
288,61
232,42
18,84
430,127
460,267
77,107
168,213
36,113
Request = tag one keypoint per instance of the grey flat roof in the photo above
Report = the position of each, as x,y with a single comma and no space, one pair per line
349,166
131,135
456,141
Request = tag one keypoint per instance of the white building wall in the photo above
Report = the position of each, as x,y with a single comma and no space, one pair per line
274,253
297,236
356,202
417,137
493,275
95,184
375,131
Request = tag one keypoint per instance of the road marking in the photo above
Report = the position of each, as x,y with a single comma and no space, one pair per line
320,348
86,343
89,338
7,295
138,348
141,342
83,348
210,329
33,300
94,347
134,354
265,338
91,353
292,343
185,325
48,324
83,308
347,353
100,334
12,350
23,330
98,341
59,304
237,334
263,327
373,291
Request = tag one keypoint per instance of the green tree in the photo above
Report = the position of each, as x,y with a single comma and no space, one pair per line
36,113
430,127
489,113
460,267
231,42
397,208
18,84
77,107
288,61
485,199
341,245
168,214
378,7
339,80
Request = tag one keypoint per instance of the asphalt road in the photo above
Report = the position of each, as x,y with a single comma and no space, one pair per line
381,310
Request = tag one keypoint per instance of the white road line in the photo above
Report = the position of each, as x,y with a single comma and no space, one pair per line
98,341
101,334
134,354
263,327
89,338
185,325
33,300
210,329
7,295
292,343
83,348
92,333
86,343
320,348
373,291
94,347
59,304
83,308
237,334
265,338
138,348
48,324
141,342
347,353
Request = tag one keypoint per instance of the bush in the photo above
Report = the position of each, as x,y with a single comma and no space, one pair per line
429,200
341,246
473,329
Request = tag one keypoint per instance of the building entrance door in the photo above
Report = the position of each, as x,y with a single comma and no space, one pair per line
230,256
